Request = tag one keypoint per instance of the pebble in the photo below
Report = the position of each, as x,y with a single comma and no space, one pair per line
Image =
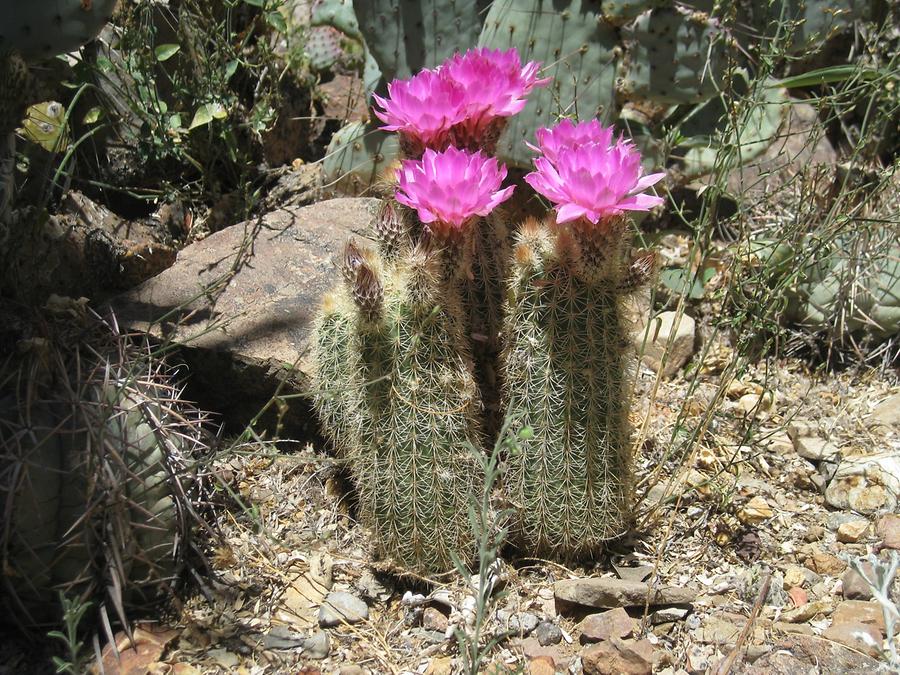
888,530
434,619
858,636
548,633
533,649
342,607
619,657
282,637
655,348
853,586
867,483
824,563
853,531
807,611
608,592
756,511
605,625
317,645
814,533
759,403
668,614
441,665
541,665
794,575
815,449
352,669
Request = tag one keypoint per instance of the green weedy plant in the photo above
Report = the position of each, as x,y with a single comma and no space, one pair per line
100,473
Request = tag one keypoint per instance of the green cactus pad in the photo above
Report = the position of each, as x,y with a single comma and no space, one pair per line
805,25
577,48
338,14
620,12
43,28
406,36
358,156
674,55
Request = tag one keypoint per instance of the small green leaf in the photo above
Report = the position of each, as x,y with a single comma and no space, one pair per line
677,279
276,21
230,68
92,115
166,51
825,76
175,121
202,117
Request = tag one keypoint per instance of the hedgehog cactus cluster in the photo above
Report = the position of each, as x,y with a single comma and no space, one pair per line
458,308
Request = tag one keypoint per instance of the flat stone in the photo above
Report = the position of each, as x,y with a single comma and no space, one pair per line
866,483
859,611
605,625
282,637
533,649
724,629
317,645
243,299
776,663
828,657
888,530
853,586
618,657
658,354
342,607
608,593
825,563
792,628
887,413
806,612
352,669
815,449
441,665
755,511
541,665
858,636
852,531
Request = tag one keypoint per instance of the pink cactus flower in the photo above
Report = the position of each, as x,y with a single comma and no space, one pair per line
450,188
592,180
495,82
568,134
423,108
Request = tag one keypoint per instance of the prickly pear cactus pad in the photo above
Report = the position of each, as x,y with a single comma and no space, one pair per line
577,48
99,475
406,36
565,365
674,55
359,155
44,28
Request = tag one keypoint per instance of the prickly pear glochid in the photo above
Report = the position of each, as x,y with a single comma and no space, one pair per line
411,365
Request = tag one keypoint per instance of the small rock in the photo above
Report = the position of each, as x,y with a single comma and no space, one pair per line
807,611
434,619
658,354
667,615
317,645
827,657
814,533
341,607
525,622
618,657
724,628
888,530
757,402
801,428
824,563
852,532
887,413
798,596
352,669
859,611
441,665
282,637
548,633
756,511
533,649
373,588
815,449
794,575
224,658
866,483
793,628
606,625
608,593
541,665
858,636
853,586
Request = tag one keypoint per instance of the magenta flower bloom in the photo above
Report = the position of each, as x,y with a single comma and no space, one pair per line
423,108
450,188
593,180
495,82
567,135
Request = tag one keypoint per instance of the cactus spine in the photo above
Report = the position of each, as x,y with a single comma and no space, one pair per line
410,406
565,374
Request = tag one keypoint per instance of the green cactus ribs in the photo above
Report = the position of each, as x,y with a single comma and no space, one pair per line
409,410
565,376
100,471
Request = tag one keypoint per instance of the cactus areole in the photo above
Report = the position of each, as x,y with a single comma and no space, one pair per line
460,314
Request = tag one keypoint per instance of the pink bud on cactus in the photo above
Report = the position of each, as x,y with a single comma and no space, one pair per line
449,188
590,179
422,109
